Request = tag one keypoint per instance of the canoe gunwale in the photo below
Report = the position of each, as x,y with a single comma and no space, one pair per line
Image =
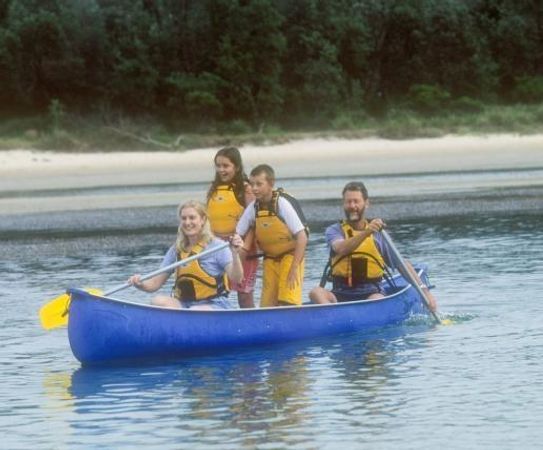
245,310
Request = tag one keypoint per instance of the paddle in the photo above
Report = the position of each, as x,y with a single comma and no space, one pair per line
54,314
404,270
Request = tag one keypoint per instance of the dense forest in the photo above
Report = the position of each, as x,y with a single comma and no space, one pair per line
286,62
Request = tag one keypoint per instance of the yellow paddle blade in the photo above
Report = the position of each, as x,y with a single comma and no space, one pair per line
446,322
54,314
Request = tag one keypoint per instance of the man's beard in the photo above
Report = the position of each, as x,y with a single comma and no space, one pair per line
354,216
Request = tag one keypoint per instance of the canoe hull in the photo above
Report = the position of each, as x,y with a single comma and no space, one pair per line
105,331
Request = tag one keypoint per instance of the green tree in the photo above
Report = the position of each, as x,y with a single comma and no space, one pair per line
456,51
84,57
514,33
132,78
296,61
7,93
249,48
194,98
34,44
313,77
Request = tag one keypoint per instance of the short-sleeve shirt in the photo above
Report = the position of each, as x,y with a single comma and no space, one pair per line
284,210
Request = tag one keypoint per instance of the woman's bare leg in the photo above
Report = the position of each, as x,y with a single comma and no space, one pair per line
166,301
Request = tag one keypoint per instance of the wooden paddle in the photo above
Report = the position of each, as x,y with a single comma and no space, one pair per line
407,274
54,314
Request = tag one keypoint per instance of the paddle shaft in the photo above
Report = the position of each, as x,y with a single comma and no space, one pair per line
170,267
407,273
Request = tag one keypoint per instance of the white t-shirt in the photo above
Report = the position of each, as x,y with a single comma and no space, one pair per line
284,210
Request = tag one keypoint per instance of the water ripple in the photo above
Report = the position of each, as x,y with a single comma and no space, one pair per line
476,383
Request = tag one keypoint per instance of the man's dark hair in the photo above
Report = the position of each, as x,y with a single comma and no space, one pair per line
356,186
265,169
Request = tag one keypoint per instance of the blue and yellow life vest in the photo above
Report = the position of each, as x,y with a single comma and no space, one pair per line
364,265
272,234
193,283
224,210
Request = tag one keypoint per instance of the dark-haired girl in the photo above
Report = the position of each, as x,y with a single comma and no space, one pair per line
227,197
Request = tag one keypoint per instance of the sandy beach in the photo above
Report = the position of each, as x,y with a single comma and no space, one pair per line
24,173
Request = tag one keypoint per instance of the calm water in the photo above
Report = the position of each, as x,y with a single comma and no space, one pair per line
476,384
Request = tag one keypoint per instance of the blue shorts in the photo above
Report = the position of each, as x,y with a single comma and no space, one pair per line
346,294
216,303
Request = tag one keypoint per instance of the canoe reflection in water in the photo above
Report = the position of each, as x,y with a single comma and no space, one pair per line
251,391
256,389
252,397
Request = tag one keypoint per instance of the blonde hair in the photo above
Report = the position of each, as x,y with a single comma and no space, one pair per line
206,235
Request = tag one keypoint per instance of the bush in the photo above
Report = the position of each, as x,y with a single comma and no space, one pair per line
403,125
193,97
201,105
60,140
427,99
349,120
237,126
19,126
538,114
466,104
528,89
56,114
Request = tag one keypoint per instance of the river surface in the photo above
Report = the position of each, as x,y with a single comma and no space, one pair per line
476,383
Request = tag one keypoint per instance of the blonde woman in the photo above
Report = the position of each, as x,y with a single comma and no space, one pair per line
202,283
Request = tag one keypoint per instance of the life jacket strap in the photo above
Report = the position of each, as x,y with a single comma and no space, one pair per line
347,281
278,257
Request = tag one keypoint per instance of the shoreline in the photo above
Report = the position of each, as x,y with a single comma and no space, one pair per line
24,174
521,201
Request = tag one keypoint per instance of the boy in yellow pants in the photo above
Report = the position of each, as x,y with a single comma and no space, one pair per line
281,234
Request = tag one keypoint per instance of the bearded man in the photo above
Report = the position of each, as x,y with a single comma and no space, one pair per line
358,253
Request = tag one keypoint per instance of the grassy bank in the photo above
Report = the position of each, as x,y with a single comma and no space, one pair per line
65,132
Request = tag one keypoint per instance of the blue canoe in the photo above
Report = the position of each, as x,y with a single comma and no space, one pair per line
104,330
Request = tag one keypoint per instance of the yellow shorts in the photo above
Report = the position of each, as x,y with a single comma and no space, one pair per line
274,282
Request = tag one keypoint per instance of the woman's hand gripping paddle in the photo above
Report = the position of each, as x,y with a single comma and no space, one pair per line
406,273
54,314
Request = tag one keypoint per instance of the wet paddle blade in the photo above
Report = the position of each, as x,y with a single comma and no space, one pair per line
54,314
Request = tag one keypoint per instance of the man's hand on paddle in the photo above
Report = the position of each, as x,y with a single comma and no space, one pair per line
376,225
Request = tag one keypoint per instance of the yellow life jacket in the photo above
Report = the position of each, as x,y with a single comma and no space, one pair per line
193,283
272,234
364,265
224,210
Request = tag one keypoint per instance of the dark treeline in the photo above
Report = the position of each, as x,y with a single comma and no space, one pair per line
289,62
